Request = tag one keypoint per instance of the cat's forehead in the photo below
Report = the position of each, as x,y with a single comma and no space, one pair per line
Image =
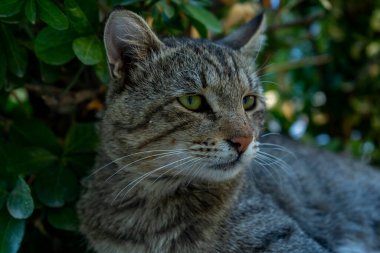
206,64
204,52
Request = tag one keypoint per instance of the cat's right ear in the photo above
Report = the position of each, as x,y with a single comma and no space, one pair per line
248,38
128,39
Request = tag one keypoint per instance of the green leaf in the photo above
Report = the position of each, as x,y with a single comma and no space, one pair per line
91,10
52,15
88,49
54,47
3,194
49,73
80,163
11,233
18,104
3,70
81,138
205,17
31,11
101,71
3,197
32,159
124,2
168,10
10,7
15,53
55,186
77,17
200,28
34,133
64,218
20,202
3,158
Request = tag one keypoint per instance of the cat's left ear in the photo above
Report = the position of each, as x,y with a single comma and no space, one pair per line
248,38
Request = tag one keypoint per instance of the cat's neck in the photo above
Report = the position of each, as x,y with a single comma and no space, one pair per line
130,184
127,183
169,207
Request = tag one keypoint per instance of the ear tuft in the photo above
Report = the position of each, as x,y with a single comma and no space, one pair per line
248,38
127,39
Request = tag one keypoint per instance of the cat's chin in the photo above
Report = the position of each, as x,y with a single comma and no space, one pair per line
225,166
225,173
228,170
220,172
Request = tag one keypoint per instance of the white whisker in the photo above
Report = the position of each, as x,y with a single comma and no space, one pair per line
126,156
276,147
139,179
178,165
269,82
196,172
276,161
191,166
268,134
264,165
145,158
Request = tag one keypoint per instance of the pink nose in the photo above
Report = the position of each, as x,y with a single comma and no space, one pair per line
241,143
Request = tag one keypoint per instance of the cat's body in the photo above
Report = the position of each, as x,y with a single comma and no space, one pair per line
329,204
175,170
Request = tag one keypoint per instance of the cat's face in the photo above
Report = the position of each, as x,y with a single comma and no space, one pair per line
180,107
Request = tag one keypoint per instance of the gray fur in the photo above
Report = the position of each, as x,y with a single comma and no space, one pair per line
168,179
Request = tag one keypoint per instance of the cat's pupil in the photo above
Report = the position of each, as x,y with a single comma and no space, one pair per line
190,100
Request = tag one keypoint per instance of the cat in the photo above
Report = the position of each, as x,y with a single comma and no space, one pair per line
181,166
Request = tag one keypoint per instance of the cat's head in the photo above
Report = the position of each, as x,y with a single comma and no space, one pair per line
192,108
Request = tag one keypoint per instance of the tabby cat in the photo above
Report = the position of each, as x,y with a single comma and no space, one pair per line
181,167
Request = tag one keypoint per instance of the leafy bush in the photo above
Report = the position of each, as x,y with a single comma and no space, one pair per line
326,68
53,77
53,73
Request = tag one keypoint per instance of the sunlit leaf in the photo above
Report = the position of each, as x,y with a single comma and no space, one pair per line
124,2
101,70
202,30
168,10
20,202
88,49
11,233
205,17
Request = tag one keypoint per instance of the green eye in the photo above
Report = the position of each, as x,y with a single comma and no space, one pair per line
192,102
249,102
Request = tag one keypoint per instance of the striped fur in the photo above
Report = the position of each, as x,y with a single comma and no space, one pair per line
168,179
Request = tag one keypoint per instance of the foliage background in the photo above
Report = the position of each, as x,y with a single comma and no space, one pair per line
320,69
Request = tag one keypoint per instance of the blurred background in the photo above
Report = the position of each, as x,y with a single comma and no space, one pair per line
319,67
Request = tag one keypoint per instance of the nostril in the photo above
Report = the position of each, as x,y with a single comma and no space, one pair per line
240,143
